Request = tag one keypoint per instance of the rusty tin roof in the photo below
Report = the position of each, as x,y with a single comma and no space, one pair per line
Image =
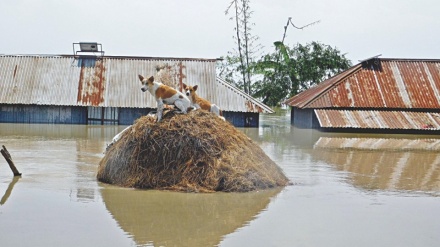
111,81
378,83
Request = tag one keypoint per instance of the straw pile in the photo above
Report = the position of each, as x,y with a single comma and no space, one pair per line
194,152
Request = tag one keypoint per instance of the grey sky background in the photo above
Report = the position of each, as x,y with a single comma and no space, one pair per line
200,28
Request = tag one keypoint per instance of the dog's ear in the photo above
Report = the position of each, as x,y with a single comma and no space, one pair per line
141,78
195,87
151,78
184,85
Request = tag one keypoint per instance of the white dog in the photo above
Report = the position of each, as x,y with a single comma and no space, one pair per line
164,95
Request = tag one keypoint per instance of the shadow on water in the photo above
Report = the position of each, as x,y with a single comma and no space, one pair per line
161,218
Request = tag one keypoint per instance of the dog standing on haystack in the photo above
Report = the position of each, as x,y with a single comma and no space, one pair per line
164,95
199,102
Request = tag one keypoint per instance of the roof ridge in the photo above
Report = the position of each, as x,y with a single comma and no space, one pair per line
337,82
113,57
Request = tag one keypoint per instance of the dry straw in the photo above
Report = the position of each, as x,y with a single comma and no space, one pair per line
194,152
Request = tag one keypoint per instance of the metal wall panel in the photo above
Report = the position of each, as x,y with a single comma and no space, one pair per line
43,114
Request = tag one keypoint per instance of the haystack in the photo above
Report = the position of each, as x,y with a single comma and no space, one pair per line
194,152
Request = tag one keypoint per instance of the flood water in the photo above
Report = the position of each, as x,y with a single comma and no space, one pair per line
348,190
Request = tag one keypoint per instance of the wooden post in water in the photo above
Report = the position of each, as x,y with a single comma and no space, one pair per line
8,158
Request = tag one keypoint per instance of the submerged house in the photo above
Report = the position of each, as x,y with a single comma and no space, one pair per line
83,89
377,95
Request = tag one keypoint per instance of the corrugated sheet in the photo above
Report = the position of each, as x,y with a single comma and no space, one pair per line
110,81
38,80
378,83
370,119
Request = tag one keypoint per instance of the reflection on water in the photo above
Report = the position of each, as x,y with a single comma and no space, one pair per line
57,157
159,218
340,197
60,131
385,164
62,160
9,190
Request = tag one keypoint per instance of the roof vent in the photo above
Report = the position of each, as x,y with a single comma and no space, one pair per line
370,58
88,49
372,63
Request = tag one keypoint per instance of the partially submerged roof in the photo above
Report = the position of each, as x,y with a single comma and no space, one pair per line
378,83
110,81
399,94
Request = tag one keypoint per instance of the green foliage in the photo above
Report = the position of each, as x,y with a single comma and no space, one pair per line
288,71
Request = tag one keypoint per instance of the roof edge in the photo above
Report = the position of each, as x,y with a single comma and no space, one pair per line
113,57
349,72
329,87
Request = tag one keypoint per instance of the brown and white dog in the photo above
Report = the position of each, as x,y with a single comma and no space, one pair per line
199,102
164,95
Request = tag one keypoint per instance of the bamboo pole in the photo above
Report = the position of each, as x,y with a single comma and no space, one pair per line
8,158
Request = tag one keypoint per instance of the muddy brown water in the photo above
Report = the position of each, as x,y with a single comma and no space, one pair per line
348,190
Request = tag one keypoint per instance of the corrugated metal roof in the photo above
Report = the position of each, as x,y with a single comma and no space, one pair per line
373,119
233,100
378,83
302,99
110,81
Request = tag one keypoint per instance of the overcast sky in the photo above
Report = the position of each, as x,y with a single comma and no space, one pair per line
200,28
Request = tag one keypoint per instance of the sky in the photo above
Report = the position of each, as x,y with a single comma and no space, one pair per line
200,29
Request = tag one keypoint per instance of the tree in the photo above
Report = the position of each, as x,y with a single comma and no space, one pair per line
236,67
288,71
